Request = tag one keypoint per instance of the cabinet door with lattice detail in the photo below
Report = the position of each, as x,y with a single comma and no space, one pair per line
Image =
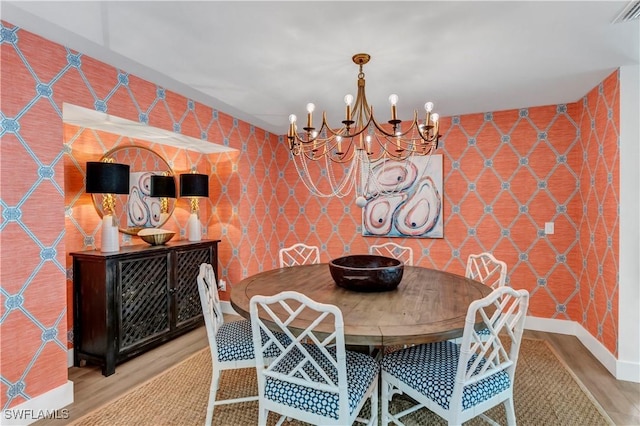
144,299
188,307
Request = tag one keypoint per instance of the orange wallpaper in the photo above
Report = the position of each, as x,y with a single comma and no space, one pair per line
42,164
506,173
598,167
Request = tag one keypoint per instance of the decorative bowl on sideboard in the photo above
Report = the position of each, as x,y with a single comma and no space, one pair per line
156,237
367,272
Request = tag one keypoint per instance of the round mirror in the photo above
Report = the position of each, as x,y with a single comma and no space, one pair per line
139,210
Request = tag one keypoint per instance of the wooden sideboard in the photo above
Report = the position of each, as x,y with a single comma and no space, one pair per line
132,300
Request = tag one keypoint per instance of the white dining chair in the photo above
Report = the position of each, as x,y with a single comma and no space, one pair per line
314,379
231,343
459,382
405,254
299,254
484,267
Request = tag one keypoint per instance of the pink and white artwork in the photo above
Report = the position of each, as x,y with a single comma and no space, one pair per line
142,210
405,199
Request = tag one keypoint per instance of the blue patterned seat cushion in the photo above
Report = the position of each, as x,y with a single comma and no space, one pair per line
484,332
235,342
361,371
431,370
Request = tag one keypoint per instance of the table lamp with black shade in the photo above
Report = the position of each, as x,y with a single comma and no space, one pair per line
163,187
108,178
194,186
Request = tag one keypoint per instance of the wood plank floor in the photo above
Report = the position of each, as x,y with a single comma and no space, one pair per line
620,399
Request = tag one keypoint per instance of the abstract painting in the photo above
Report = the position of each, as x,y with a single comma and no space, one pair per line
143,211
405,198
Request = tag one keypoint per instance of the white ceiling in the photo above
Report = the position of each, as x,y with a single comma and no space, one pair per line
261,61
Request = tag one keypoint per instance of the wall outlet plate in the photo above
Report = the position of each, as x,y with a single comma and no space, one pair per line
549,228
222,285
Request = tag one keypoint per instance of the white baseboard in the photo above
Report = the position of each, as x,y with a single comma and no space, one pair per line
550,325
49,405
621,370
628,371
226,308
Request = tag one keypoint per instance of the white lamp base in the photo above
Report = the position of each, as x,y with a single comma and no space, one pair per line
110,237
194,228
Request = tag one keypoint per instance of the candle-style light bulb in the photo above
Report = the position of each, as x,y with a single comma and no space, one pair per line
348,99
393,100
435,117
292,128
310,108
428,107
368,141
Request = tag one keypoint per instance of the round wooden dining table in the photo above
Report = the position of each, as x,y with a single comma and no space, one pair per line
427,306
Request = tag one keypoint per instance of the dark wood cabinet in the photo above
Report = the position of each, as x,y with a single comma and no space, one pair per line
130,301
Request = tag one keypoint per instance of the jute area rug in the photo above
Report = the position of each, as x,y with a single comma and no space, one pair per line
545,393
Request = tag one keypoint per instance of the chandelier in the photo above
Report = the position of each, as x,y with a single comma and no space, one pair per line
332,161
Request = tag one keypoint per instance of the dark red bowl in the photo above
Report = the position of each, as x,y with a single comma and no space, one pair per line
367,272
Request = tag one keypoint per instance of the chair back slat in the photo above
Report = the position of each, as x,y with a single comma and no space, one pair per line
405,254
503,313
210,301
298,340
299,254
461,381
315,357
484,267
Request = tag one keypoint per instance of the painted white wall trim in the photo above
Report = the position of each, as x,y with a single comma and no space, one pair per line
629,245
621,370
226,308
597,349
551,325
628,371
49,405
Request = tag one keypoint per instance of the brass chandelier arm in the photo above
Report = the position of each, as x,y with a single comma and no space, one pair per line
379,147
394,133
387,145
315,147
415,126
332,133
345,157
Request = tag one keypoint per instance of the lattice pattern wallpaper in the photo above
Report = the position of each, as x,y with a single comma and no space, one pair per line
598,203
506,173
